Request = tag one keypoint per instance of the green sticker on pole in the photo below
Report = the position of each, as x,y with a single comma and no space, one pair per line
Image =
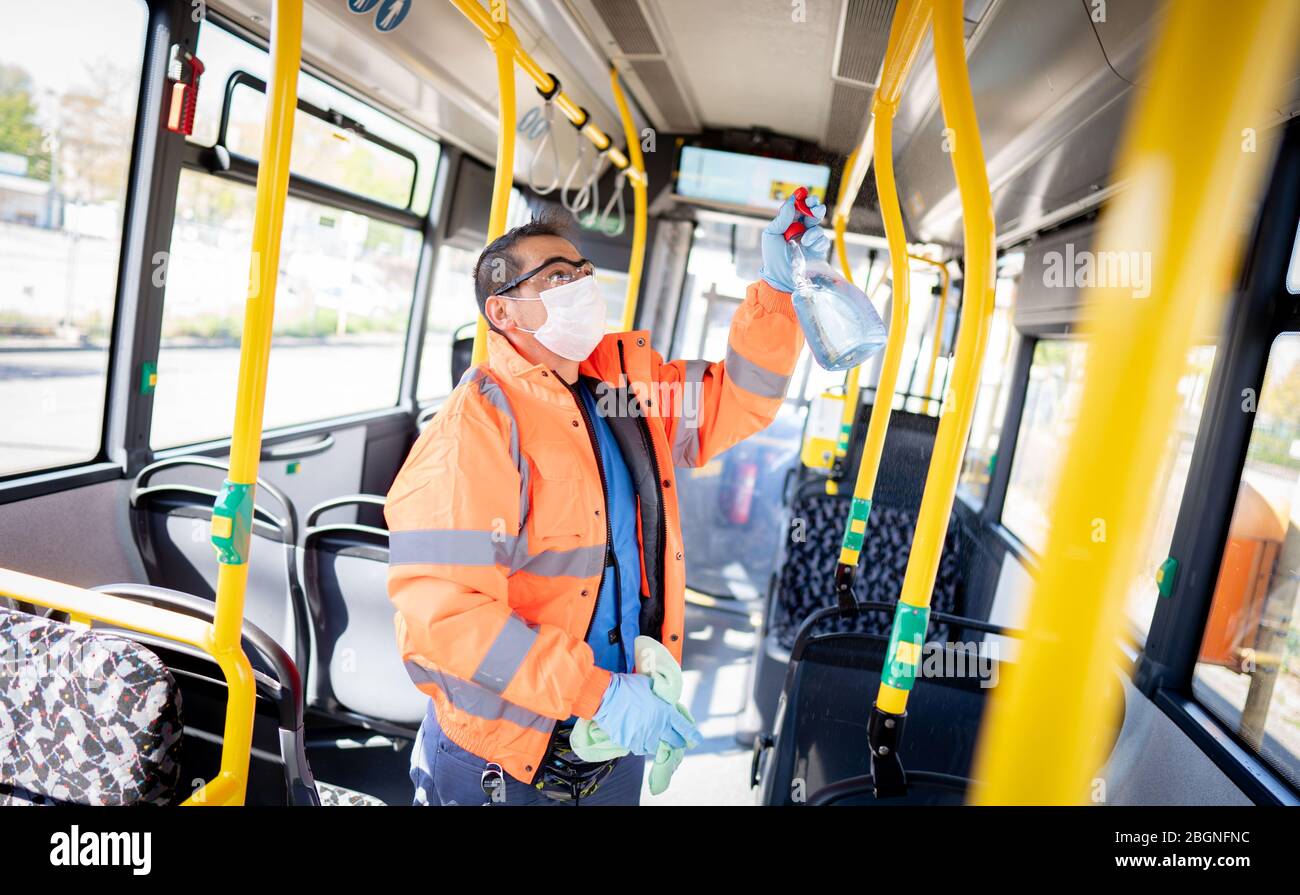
856,529
906,639
232,522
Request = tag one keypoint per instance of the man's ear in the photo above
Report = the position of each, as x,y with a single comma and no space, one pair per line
496,313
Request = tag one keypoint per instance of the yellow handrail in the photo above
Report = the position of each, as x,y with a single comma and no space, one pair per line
495,27
1209,77
504,47
84,605
495,21
910,21
233,510
852,390
911,617
944,282
639,199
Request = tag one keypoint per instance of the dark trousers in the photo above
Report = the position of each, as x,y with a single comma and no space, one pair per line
445,774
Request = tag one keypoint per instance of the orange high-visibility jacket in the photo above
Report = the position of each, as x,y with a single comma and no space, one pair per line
498,528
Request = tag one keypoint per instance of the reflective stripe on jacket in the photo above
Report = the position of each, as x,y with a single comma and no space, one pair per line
497,526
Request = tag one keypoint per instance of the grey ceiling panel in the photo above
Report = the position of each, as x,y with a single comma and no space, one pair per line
848,118
1050,112
659,84
627,23
864,38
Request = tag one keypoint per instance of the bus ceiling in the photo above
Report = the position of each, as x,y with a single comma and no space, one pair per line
1052,85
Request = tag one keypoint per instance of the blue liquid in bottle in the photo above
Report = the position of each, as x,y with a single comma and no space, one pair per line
841,326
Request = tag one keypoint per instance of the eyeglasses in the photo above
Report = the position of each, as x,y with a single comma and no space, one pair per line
556,271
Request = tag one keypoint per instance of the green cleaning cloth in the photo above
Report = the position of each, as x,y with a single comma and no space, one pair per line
590,743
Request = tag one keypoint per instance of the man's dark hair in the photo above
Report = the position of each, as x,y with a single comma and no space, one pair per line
498,264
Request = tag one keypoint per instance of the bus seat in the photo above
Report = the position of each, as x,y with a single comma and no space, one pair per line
78,708
170,523
807,581
820,738
462,349
279,772
805,584
356,672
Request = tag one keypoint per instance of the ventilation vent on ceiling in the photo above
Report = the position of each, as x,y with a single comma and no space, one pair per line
662,90
628,25
864,35
849,107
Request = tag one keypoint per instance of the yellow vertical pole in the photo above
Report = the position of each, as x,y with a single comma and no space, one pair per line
944,283
911,19
639,200
233,510
911,617
851,388
1213,72
503,43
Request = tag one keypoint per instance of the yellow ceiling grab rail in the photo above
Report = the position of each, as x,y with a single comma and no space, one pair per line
911,19
639,199
911,618
494,24
496,30
1209,76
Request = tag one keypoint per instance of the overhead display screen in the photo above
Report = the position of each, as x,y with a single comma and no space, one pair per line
751,181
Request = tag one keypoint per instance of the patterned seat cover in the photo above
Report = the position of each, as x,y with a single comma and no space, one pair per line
86,718
807,579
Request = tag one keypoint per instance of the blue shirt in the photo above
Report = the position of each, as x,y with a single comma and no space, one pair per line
618,606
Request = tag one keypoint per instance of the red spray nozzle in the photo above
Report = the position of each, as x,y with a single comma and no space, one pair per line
796,229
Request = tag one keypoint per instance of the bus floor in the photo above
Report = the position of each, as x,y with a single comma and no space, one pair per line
715,672
719,647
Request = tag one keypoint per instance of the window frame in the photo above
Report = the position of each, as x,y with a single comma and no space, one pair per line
157,158
331,117
1261,309
166,22
225,165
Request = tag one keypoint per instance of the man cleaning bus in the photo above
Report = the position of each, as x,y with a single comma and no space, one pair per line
535,531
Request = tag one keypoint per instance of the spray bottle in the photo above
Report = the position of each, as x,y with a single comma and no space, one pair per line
842,327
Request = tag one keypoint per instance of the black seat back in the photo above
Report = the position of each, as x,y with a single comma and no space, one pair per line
278,770
462,350
170,521
831,683
356,671
86,718
821,735
805,580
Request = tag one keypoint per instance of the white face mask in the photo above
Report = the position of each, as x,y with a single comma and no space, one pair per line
575,318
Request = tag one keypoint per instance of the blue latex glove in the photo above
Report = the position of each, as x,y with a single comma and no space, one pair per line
776,257
633,716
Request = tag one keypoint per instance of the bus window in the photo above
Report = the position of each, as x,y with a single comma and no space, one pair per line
451,306
991,401
66,126
322,152
1248,671
1051,403
1170,485
344,297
